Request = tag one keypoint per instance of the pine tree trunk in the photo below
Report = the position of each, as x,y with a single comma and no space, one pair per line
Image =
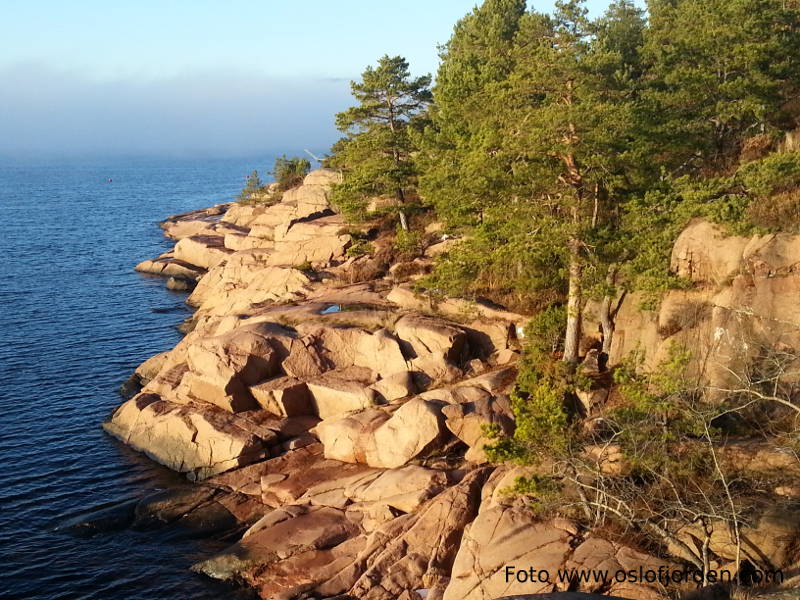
606,321
606,324
573,333
403,221
401,200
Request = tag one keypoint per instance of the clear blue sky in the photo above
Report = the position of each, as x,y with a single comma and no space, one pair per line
199,76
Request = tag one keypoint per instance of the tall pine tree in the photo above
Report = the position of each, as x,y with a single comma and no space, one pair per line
461,171
570,129
376,154
720,71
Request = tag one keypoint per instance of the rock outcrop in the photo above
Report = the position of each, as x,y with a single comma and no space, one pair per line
342,425
741,303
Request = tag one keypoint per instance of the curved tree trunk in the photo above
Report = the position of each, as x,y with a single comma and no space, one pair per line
606,319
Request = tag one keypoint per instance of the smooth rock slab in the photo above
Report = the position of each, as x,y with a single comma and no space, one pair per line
205,251
167,265
503,536
198,441
317,529
416,551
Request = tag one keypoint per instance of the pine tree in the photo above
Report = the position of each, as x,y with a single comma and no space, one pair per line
720,70
253,185
570,128
376,152
461,170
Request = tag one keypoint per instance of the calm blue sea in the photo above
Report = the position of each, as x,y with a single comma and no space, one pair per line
75,321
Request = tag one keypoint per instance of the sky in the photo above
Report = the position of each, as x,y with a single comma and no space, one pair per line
199,78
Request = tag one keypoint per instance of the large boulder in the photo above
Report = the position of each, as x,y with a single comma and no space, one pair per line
244,281
396,386
351,438
469,422
343,347
317,241
379,440
324,177
283,396
380,352
204,251
263,226
415,429
332,396
304,359
312,197
197,441
434,347
221,368
242,215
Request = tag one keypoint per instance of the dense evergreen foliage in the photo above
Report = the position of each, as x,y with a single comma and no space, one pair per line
568,153
377,151
289,172
252,187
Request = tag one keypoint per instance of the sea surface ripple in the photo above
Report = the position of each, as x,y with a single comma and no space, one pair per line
75,321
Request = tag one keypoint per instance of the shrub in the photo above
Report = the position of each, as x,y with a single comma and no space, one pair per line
544,384
305,267
544,334
778,212
776,173
253,187
407,242
289,172
360,248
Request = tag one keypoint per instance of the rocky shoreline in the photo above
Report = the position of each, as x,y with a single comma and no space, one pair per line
336,420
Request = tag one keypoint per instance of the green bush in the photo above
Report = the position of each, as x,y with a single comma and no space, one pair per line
545,332
290,172
407,242
544,383
776,173
253,187
360,247
348,200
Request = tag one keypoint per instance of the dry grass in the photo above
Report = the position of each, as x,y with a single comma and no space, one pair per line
779,212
